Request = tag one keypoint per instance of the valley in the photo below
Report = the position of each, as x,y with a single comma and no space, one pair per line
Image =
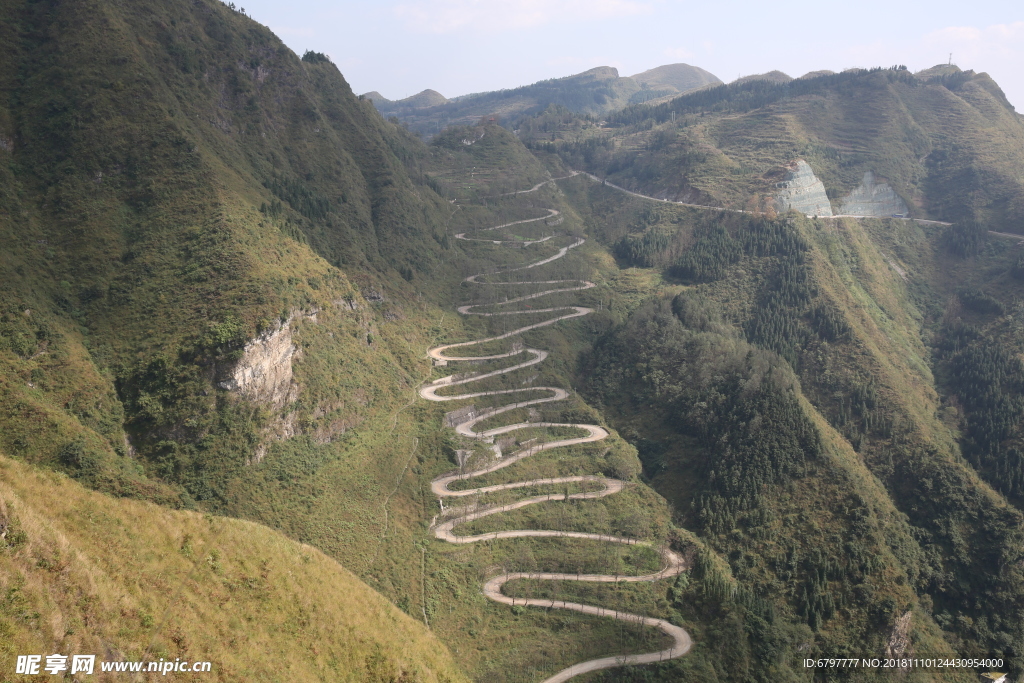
675,564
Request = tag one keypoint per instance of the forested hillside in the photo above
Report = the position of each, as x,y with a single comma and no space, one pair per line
178,182
946,140
212,258
846,368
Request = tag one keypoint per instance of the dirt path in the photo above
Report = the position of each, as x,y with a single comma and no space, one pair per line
674,564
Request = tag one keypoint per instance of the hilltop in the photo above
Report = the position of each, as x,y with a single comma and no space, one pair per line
945,141
597,92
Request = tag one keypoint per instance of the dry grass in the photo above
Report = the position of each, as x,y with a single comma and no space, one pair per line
84,573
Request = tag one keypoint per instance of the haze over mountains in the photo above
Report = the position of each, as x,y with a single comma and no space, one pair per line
597,91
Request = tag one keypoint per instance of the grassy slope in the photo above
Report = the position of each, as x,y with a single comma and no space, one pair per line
81,572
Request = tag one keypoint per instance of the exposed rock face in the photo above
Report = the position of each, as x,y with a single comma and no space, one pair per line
899,644
802,191
872,198
264,373
456,417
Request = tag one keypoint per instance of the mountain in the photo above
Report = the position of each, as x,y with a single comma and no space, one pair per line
792,357
427,98
791,436
808,366
945,141
221,271
377,97
678,77
771,77
597,92
193,208
210,245
130,581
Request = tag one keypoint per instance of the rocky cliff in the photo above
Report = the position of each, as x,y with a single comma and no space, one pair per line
802,191
872,198
264,372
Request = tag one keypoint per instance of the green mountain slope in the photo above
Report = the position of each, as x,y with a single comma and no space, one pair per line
224,268
223,271
596,92
949,144
176,183
902,367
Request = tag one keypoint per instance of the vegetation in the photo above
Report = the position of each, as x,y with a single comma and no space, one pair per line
832,408
592,93
698,396
81,572
727,145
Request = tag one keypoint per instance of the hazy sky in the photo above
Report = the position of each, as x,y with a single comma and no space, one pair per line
400,47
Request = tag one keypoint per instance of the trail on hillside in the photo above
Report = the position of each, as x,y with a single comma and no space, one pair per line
674,564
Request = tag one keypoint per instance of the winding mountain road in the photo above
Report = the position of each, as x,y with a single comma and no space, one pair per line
722,208
674,564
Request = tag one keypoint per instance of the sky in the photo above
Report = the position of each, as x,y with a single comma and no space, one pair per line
400,47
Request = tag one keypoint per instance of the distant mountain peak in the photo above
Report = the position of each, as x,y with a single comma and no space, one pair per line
597,91
423,99
681,77
938,70
375,96
772,76
815,74
599,73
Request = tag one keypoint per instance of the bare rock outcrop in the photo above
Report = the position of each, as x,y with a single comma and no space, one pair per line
899,640
264,375
264,372
872,198
802,191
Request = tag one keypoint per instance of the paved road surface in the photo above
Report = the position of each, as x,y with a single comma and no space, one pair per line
719,208
674,564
